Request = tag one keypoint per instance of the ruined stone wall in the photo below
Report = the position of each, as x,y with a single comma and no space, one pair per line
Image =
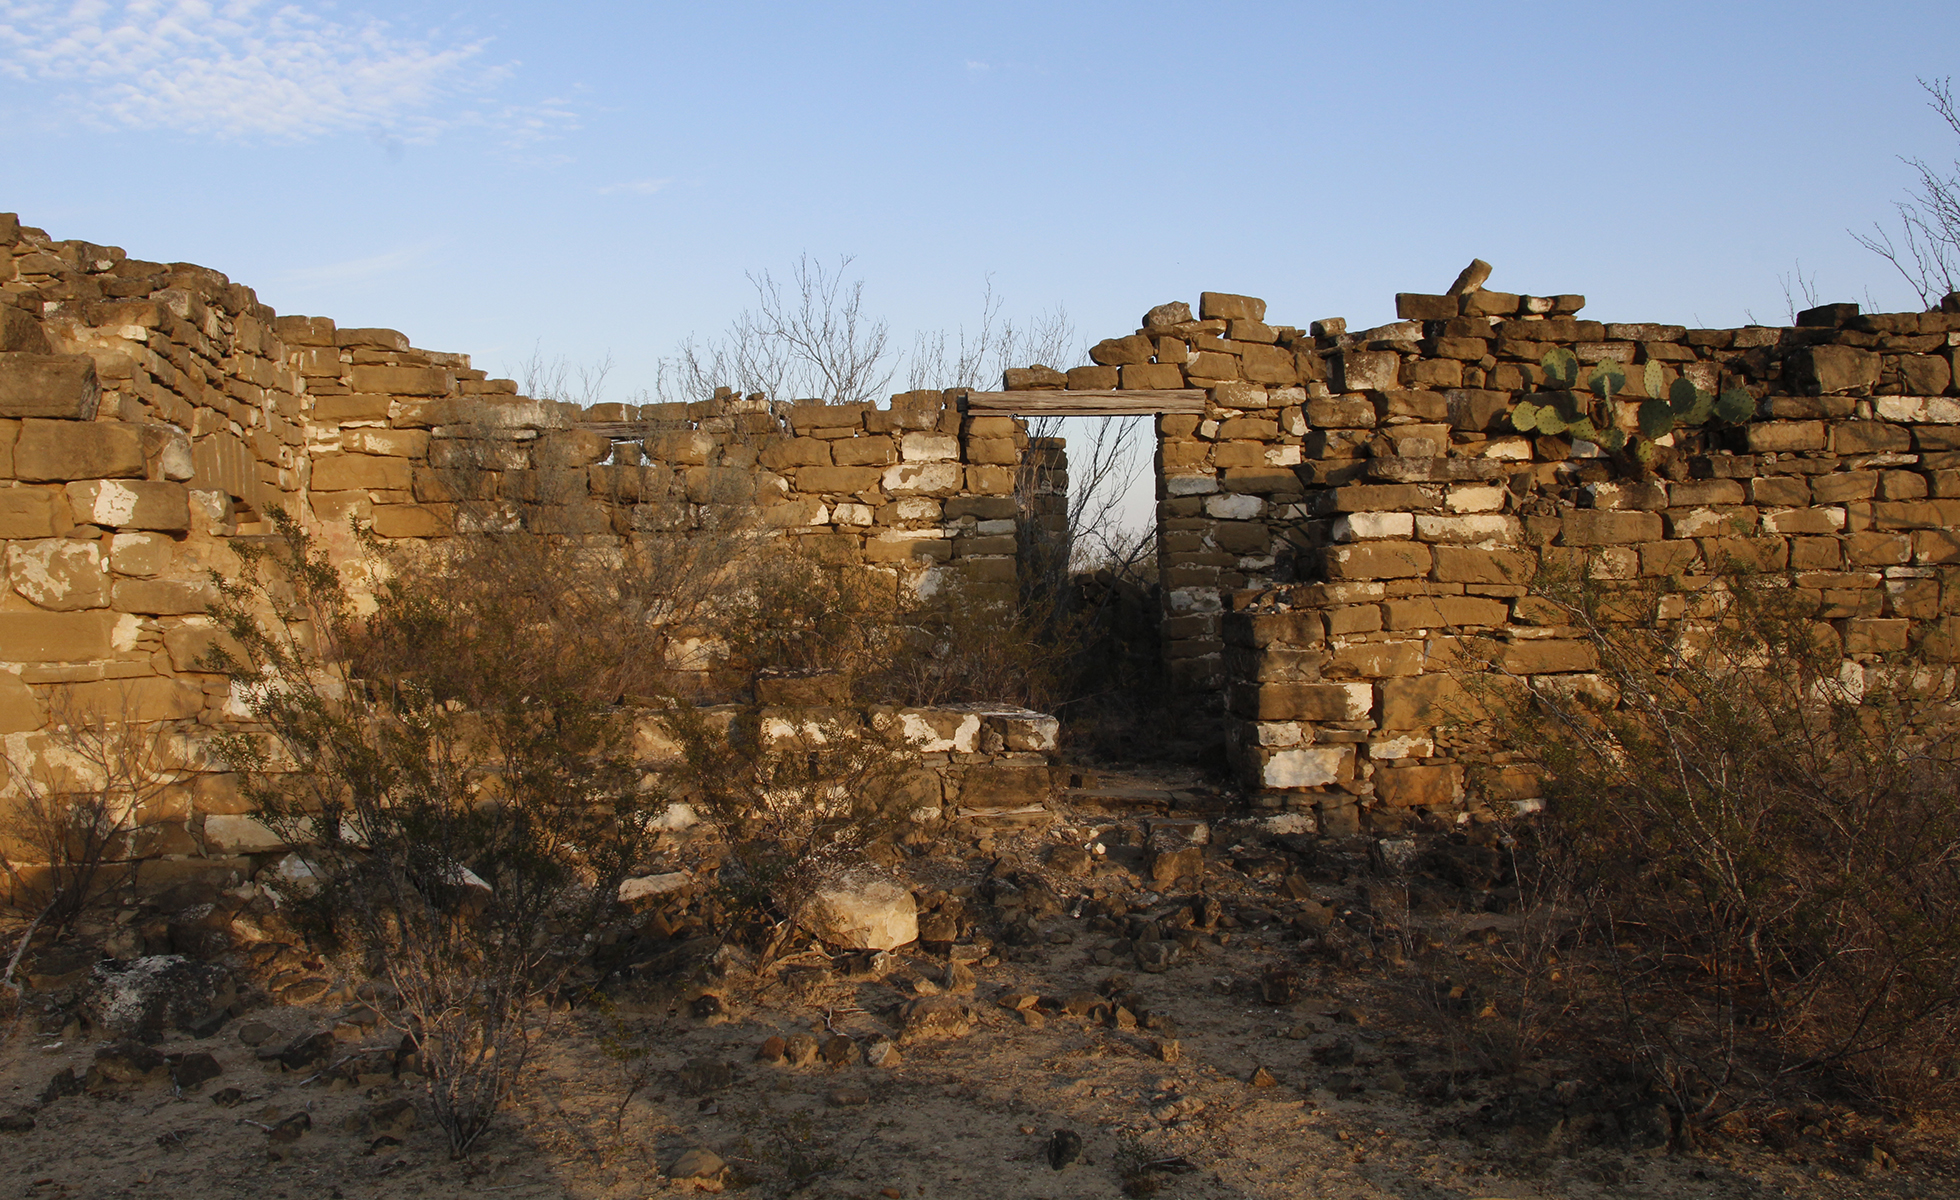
152,414
1356,516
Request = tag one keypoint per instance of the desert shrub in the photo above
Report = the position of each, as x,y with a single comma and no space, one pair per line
72,809
449,759
1763,836
798,795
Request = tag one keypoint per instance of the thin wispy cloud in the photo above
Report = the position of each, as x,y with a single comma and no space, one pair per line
638,187
362,268
257,71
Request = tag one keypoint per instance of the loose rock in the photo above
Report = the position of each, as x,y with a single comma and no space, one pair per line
862,909
150,996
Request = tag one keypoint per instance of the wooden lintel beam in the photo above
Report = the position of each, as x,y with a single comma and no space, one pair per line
1136,402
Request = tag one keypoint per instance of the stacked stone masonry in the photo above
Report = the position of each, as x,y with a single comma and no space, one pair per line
1349,515
1356,517
152,413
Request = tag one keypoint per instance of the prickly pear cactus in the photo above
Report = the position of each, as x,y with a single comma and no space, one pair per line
1599,416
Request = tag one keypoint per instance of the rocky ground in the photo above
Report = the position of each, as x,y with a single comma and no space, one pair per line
1177,1003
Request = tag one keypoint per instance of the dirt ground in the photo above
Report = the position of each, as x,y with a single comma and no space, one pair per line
1255,1060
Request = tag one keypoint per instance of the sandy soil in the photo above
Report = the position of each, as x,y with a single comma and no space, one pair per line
1199,1087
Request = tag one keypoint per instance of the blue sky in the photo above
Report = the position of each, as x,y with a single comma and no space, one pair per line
593,179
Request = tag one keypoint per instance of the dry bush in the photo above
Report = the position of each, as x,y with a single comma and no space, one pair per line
452,765
797,795
73,809
1763,840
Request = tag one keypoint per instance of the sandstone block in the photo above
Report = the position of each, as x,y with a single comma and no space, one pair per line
1378,560
57,636
1878,549
353,407
1366,370
1366,526
31,513
1376,660
783,453
1035,378
1472,528
1547,655
930,478
59,573
1122,352
1785,436
1304,701
21,710
1142,376
987,481
1377,497
902,547
402,381
1414,306
1813,521
54,450
1004,785
929,447
1699,493
411,521
20,333
995,451
60,386
361,472
1924,374
1317,766
1212,365
1825,369
131,504
1463,564
149,699
837,479
153,597
863,451
1341,412
1432,372
1436,612
1870,437
1268,364
1224,306
1420,787
1420,701
1609,527
1093,379
559,449
685,447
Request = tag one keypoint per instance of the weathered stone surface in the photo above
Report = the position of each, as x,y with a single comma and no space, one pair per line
145,998
131,504
1366,370
61,574
1228,307
56,450
1310,767
60,386
362,472
1425,787
20,333
57,637
934,1017
1825,369
861,909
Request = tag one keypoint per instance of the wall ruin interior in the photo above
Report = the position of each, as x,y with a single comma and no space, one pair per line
1347,511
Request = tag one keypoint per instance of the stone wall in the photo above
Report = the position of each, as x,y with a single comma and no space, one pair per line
1347,513
151,414
1343,533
